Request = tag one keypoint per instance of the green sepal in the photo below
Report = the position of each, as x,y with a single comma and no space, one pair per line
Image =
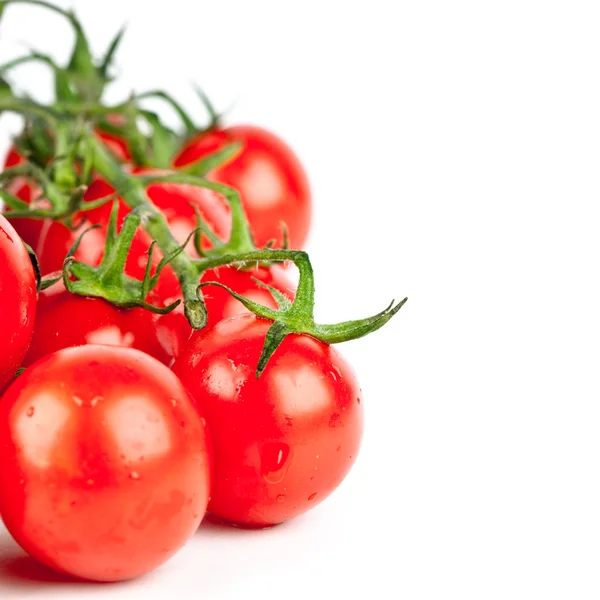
205,165
109,281
296,317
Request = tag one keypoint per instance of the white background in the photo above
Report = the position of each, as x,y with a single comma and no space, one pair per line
454,150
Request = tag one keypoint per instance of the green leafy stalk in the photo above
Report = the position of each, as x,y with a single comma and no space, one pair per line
134,194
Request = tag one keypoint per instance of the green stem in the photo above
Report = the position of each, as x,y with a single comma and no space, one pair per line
133,193
240,240
64,173
27,107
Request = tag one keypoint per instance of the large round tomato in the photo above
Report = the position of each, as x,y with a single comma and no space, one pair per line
282,442
104,462
272,182
65,320
17,301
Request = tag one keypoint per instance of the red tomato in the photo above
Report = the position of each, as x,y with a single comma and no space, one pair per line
104,463
271,181
18,304
65,320
283,442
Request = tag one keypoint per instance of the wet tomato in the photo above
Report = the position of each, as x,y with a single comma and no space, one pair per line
18,301
282,442
104,462
65,320
272,183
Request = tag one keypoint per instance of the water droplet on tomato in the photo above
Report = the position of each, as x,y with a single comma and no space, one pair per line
312,496
78,400
30,411
280,498
173,402
358,399
95,401
275,461
134,475
90,482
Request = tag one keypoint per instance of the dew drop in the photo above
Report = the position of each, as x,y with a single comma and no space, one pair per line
275,461
95,400
280,498
30,411
134,475
358,399
78,400
173,402
312,496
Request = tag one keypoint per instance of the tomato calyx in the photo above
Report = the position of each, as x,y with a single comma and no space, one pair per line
297,317
108,280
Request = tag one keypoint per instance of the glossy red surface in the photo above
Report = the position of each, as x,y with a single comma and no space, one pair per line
283,442
104,463
272,183
17,301
64,320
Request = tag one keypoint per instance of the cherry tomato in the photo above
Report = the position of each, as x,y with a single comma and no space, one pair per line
104,463
272,182
65,320
283,442
18,301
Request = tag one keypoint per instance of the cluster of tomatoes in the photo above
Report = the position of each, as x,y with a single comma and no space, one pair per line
121,427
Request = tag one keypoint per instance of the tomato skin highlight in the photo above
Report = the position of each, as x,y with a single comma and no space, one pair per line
272,182
283,442
65,320
18,301
104,463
